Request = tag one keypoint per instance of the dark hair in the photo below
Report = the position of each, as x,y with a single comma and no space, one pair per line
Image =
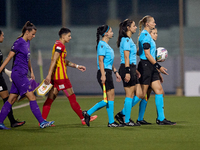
0,32
63,31
152,30
28,26
100,31
123,29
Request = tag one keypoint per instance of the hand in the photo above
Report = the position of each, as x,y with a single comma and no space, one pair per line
8,73
10,79
47,80
103,79
32,76
163,70
138,74
160,60
127,77
118,77
82,68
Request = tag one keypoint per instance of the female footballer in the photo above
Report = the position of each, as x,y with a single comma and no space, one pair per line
20,52
4,90
127,69
105,58
57,75
142,107
149,69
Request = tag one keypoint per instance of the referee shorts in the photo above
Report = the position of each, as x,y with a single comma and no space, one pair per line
148,72
109,80
3,86
122,73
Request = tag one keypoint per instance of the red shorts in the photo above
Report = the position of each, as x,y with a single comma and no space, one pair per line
61,84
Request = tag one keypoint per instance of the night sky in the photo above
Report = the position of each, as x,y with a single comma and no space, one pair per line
89,12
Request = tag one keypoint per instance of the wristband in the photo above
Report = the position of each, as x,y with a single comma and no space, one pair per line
157,66
77,66
115,72
128,70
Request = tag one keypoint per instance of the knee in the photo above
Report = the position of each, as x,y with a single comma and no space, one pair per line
11,100
111,97
140,95
32,97
159,91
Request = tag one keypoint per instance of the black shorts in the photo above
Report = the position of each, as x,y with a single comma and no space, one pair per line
3,86
137,81
122,73
148,72
109,80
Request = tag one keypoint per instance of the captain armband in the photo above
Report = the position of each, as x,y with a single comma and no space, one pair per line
58,50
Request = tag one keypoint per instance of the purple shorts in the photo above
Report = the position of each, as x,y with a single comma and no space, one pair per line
20,83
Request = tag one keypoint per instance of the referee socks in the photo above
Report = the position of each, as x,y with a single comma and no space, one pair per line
127,107
96,107
135,100
142,108
160,106
110,111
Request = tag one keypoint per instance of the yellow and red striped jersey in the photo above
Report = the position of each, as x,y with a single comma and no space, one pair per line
60,70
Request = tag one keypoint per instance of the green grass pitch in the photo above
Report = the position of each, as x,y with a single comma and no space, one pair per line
70,134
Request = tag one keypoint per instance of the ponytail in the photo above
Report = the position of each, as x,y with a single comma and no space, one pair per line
98,37
123,29
101,31
28,26
143,22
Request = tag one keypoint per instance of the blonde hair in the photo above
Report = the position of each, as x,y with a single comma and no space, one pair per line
143,22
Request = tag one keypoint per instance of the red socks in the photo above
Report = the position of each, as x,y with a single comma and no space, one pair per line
46,108
75,106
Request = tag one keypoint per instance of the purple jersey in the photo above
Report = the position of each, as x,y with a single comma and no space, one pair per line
20,83
22,55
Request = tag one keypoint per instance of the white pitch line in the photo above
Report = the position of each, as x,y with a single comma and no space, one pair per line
24,105
20,106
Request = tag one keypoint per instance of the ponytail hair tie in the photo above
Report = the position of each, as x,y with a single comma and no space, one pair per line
106,31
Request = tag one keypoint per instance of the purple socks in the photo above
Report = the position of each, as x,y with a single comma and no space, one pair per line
4,111
36,111
34,108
